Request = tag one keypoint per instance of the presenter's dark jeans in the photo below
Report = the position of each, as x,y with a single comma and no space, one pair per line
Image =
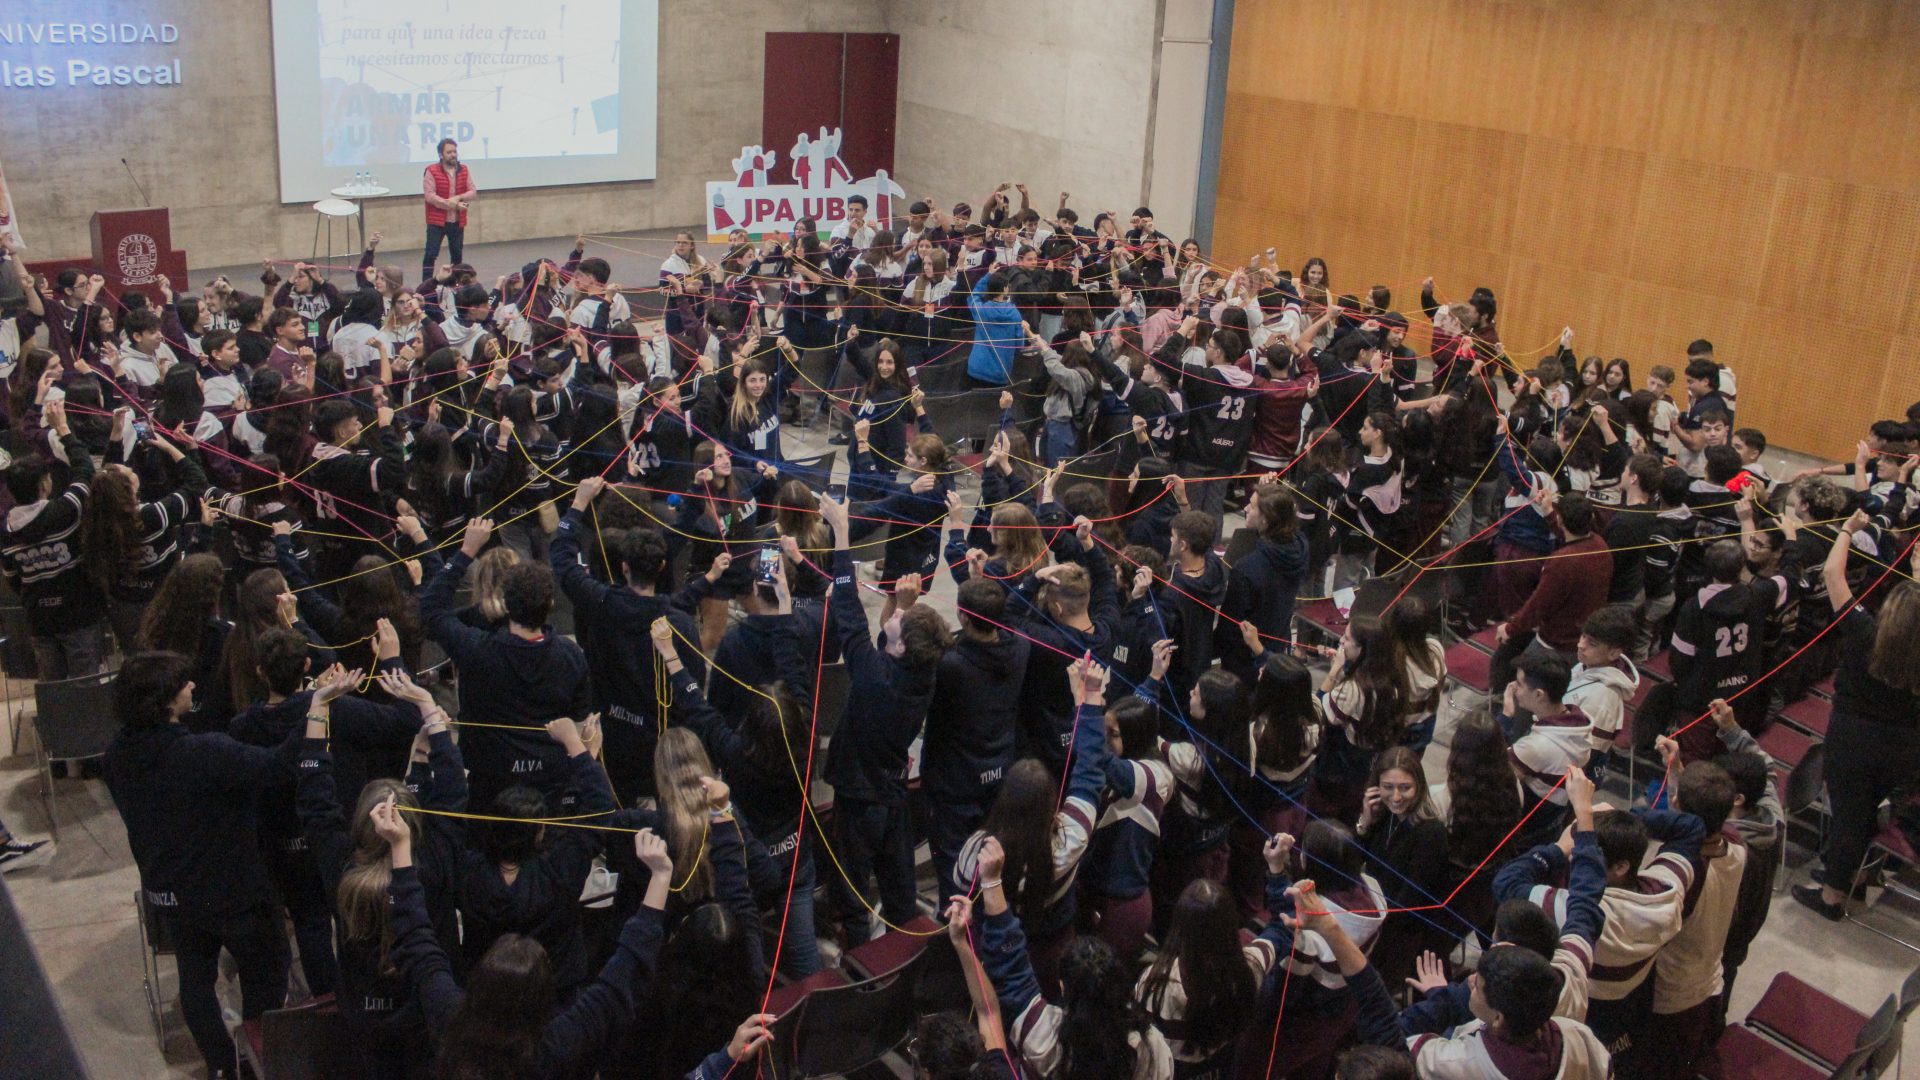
456,238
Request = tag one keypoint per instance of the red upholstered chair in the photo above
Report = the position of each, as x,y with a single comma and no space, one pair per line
892,950
1744,1053
1469,666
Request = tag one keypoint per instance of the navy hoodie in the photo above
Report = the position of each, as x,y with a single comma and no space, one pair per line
1046,698
972,718
373,998
886,704
1198,598
543,899
369,738
507,680
189,806
1260,588
615,624
1142,622
750,652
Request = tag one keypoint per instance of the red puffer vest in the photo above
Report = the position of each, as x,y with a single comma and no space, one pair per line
443,186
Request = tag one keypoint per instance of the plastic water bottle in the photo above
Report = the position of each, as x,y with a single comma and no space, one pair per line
358,179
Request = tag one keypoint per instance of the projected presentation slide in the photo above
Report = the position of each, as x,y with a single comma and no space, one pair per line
535,94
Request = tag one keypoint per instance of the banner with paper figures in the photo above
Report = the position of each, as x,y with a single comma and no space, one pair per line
756,200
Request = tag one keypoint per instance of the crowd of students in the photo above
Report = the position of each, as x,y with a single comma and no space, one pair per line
1173,829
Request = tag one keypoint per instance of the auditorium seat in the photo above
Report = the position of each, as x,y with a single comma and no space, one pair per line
1809,714
892,950
1810,1021
784,998
1785,745
1469,666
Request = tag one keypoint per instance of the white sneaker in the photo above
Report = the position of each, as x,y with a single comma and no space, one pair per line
15,854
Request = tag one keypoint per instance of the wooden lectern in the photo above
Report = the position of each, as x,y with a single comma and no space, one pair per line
132,248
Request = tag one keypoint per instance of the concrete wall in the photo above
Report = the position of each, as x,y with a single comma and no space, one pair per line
1053,94
206,149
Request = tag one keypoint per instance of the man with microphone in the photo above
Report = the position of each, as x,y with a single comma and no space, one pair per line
448,187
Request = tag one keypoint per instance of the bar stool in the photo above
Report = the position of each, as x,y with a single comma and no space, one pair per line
327,211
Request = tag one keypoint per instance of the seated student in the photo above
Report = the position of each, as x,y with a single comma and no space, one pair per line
612,621
1643,907
523,675
1687,976
1604,679
505,1015
188,804
890,686
1202,987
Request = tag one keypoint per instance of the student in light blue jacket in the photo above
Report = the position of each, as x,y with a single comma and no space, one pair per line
998,332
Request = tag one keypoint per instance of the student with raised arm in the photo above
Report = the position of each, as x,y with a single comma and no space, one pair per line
1871,747
1515,1034
890,686
381,1012
1644,906
503,1019
757,751
986,1004
519,876
519,676
1041,836
188,804
1067,610
1203,987
1096,1029
373,738
1561,924
613,620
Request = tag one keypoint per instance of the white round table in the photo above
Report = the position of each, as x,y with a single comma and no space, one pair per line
359,193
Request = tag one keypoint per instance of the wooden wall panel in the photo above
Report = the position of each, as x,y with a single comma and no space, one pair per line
1647,171
1866,235
1462,181
1741,78
1576,204
1898,386
1702,227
